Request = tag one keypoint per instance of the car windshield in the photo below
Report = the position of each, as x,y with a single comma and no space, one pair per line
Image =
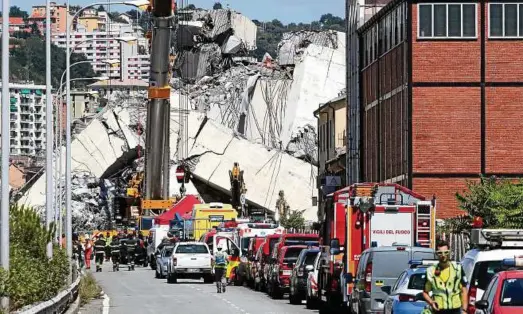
389,264
245,243
309,259
484,271
168,251
512,292
417,282
192,249
291,255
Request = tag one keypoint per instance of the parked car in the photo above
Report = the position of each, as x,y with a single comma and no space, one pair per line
504,293
190,260
281,270
298,281
378,267
312,298
405,296
162,261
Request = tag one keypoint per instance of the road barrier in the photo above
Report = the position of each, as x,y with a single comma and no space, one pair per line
57,305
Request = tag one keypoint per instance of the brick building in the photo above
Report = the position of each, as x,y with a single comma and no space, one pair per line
441,86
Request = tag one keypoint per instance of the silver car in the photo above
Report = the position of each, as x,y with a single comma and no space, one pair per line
162,261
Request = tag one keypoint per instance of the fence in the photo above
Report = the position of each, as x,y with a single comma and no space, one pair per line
459,244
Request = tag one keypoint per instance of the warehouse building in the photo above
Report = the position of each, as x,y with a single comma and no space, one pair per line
441,85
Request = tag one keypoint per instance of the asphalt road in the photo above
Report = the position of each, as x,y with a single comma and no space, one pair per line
140,292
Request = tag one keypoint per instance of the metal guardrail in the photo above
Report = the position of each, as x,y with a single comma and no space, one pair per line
57,305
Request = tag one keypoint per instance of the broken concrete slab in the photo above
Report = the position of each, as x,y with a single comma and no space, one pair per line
232,45
93,151
214,148
293,44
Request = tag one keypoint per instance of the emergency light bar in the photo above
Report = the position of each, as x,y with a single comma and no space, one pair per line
262,226
496,238
423,262
305,242
513,262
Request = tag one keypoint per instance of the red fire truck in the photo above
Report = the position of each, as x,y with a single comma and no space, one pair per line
364,215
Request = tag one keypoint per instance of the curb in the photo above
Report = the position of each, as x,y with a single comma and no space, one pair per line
74,307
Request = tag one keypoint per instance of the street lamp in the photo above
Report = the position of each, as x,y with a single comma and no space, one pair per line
140,4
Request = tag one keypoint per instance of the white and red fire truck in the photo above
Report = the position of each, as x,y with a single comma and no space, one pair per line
364,215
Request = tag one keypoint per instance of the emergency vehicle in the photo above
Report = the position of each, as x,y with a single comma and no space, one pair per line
489,248
367,215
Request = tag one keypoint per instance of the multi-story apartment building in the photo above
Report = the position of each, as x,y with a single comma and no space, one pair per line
27,119
332,123
441,89
102,46
58,17
137,67
16,24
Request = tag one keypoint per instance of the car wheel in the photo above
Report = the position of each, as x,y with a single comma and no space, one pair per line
294,299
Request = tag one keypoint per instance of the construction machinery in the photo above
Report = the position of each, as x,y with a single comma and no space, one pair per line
156,185
238,189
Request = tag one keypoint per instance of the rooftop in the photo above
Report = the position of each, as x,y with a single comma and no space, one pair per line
120,83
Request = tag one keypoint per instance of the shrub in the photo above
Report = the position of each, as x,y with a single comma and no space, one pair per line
88,289
32,276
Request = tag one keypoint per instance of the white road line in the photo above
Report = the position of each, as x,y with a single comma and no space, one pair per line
106,304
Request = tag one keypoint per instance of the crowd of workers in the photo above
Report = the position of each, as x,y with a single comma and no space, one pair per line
122,247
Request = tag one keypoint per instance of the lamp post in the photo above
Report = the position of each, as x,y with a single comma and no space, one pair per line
69,230
49,127
6,139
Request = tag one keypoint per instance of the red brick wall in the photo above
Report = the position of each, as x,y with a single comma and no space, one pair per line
445,191
446,129
444,61
504,58
504,135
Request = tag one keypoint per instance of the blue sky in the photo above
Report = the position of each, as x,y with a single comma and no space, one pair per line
283,10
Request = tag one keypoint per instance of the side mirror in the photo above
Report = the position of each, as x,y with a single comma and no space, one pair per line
386,289
349,278
482,304
335,246
419,297
309,268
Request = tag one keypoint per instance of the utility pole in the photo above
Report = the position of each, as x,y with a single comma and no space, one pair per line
49,127
6,150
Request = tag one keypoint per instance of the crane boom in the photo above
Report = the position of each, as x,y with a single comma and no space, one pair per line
158,110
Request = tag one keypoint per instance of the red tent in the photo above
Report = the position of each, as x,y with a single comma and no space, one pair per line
184,206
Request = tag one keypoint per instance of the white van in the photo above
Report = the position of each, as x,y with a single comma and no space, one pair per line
156,236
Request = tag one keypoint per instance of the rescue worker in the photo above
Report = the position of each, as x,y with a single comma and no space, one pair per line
447,282
130,247
220,260
108,241
99,252
115,253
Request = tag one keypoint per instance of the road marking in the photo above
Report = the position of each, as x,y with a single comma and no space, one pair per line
106,304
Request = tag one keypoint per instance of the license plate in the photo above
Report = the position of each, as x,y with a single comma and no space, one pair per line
193,270
287,272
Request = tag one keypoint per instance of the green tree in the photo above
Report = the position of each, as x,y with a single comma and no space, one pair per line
100,8
15,11
294,221
499,202
217,6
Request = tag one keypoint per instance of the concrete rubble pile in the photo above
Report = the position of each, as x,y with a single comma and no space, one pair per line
271,103
206,42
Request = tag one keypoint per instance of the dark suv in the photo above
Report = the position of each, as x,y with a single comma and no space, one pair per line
300,272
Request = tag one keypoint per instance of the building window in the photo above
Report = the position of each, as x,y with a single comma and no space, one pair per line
447,21
505,20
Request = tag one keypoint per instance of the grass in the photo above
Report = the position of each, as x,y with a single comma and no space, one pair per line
89,289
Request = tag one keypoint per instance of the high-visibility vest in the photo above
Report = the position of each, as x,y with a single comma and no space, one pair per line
446,295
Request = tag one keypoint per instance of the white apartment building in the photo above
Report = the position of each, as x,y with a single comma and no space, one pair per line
100,47
138,67
27,119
